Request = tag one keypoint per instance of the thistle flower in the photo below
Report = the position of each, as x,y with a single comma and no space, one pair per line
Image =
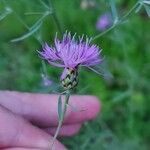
69,54
104,22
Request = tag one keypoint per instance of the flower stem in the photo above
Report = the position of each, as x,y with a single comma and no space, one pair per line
67,96
118,22
101,34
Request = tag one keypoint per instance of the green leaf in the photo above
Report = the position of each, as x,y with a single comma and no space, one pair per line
32,29
102,70
40,20
28,34
5,13
34,13
147,8
60,113
138,8
44,4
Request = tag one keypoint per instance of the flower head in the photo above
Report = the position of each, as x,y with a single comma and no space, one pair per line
69,54
104,22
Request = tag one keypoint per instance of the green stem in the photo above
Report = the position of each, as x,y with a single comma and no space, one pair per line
44,68
118,22
67,96
101,34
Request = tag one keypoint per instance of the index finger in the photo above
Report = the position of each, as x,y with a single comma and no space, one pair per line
41,109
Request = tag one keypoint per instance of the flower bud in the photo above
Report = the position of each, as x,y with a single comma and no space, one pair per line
70,79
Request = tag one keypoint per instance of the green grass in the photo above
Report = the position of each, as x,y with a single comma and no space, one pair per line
124,122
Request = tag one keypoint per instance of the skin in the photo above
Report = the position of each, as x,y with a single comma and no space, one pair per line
28,121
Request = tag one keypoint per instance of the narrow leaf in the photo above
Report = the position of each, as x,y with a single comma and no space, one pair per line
28,34
59,107
5,13
32,29
138,8
147,8
44,4
102,70
40,20
34,13
114,10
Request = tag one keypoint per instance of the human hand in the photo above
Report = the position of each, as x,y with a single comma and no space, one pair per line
28,121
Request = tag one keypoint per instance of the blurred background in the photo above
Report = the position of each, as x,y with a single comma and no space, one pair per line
124,122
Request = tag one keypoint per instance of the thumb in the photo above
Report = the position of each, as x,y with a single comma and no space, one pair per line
17,132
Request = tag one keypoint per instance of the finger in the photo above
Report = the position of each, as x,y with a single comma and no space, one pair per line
16,132
41,109
21,148
66,130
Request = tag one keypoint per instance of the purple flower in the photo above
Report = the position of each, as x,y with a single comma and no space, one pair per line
70,54
104,22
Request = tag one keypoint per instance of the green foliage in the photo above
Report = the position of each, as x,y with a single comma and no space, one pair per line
114,11
6,12
124,120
